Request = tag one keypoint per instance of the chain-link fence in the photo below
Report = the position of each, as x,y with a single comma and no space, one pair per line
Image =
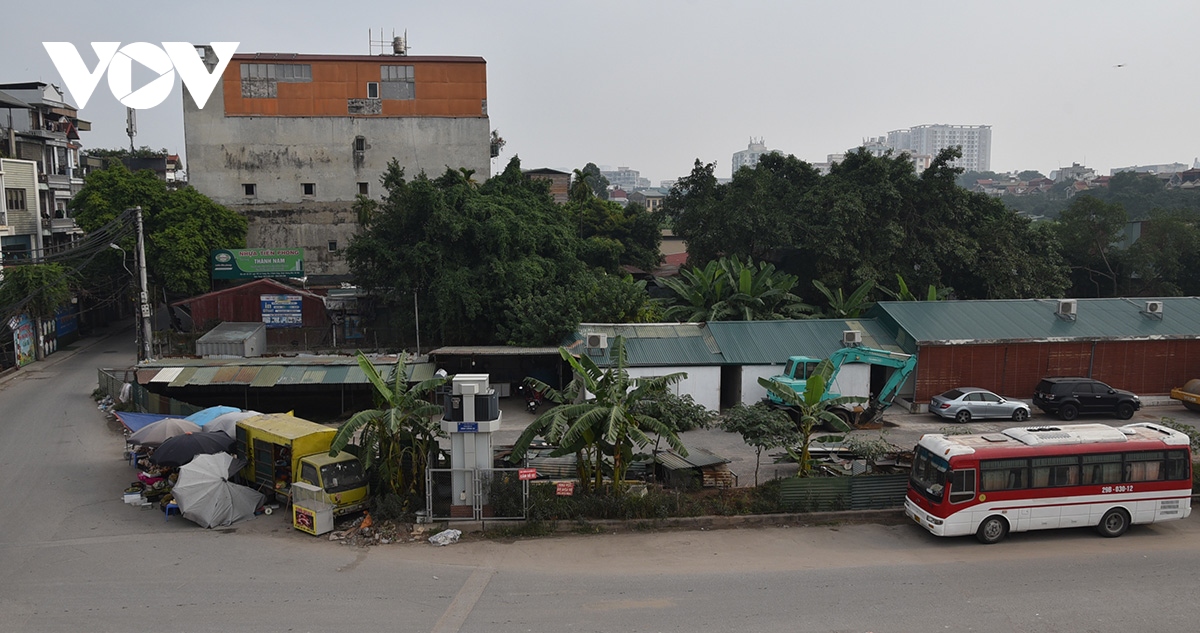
470,494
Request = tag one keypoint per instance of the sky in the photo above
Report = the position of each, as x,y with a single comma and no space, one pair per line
656,85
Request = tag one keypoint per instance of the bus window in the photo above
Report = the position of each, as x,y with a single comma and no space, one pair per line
1177,465
1055,471
1144,466
1102,469
1004,474
962,486
929,475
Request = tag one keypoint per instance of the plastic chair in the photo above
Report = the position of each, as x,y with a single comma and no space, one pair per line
167,510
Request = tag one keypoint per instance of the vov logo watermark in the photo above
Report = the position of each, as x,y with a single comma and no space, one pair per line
118,61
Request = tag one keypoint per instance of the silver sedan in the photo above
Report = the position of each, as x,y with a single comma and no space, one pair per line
965,403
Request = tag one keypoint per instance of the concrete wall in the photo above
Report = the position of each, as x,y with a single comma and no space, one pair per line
22,174
703,384
279,154
753,392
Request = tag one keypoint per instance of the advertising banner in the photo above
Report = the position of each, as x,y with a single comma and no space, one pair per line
282,310
22,328
257,263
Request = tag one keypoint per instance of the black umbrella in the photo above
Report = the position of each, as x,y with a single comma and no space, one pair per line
179,450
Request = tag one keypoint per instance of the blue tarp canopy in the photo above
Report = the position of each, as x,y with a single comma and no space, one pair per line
135,421
204,416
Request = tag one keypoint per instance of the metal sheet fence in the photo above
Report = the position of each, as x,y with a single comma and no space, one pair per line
872,492
113,381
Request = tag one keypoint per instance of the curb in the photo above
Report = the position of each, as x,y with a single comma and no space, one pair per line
893,516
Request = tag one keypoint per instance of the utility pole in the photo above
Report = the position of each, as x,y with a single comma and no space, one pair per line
144,298
417,319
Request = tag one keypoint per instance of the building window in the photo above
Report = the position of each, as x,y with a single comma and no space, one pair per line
260,81
397,82
14,199
364,189
249,189
332,246
372,90
293,73
308,188
360,144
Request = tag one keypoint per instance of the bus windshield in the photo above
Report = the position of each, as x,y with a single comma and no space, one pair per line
929,474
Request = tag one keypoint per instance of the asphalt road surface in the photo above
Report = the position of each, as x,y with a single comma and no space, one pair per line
75,558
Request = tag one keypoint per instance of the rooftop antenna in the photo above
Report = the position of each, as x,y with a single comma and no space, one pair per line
131,127
396,45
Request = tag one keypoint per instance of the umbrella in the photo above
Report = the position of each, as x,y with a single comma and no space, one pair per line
137,421
204,416
227,422
206,496
180,450
156,433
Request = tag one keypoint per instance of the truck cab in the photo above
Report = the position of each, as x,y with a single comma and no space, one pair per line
795,375
340,477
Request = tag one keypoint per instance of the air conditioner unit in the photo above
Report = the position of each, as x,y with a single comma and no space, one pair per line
596,341
1154,307
1066,308
851,337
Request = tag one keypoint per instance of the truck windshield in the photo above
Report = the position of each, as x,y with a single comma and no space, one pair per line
929,474
342,476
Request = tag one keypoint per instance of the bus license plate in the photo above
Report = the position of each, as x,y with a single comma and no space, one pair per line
917,518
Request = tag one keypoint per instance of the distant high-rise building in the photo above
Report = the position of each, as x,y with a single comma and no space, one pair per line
749,156
975,141
625,178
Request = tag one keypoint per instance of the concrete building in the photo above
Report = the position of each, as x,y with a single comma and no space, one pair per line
291,140
1162,168
39,125
975,141
625,178
560,182
749,157
652,198
20,234
1075,172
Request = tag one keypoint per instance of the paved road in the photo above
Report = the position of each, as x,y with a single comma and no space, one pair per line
75,558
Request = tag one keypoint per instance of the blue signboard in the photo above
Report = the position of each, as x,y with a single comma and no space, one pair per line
468,427
65,321
280,311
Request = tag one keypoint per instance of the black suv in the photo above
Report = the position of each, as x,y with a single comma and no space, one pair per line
1068,397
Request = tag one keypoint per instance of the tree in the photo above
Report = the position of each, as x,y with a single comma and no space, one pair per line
1166,257
809,411
730,290
902,293
397,437
1089,231
590,180
182,226
36,289
607,424
760,427
494,263
841,306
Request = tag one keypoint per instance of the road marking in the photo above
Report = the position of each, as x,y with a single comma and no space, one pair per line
462,604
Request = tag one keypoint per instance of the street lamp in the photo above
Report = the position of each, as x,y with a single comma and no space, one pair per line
136,329
111,245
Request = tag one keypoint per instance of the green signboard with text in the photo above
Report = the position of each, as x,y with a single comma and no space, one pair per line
257,263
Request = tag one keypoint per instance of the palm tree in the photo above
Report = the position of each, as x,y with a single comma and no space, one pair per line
904,294
728,289
697,291
606,424
397,437
809,410
843,307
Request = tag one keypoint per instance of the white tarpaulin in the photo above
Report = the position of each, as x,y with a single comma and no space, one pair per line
206,496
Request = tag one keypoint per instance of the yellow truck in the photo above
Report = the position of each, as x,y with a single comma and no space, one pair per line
281,449
1189,394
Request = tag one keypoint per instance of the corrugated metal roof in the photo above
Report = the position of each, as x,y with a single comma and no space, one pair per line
167,374
292,376
697,458
225,375
313,376
245,375
203,376
1035,320
144,376
493,350
268,376
183,377
772,342
652,344
336,375
230,332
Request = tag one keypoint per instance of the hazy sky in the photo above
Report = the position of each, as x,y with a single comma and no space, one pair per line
654,85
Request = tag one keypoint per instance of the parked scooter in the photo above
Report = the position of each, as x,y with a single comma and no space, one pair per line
533,399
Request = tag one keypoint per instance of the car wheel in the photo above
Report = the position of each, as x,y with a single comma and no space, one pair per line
962,417
1113,523
1020,415
1068,412
1125,410
992,530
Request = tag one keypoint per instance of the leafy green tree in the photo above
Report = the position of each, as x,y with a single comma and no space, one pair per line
902,293
1029,174
36,289
841,306
809,411
588,182
616,235
728,289
1166,257
398,436
760,427
1090,231
607,424
182,226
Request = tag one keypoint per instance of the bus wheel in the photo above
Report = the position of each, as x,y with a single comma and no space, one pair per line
1114,523
992,530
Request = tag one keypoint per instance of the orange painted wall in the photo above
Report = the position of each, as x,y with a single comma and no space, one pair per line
443,89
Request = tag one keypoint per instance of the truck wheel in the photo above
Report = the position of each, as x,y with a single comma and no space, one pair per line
1068,412
992,530
1125,410
1113,523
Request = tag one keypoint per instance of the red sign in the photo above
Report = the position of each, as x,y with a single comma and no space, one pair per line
526,474
566,489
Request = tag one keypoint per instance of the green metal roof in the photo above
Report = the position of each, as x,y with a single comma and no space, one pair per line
651,344
772,342
1036,320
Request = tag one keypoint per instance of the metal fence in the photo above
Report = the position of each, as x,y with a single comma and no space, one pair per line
112,382
867,492
469,494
